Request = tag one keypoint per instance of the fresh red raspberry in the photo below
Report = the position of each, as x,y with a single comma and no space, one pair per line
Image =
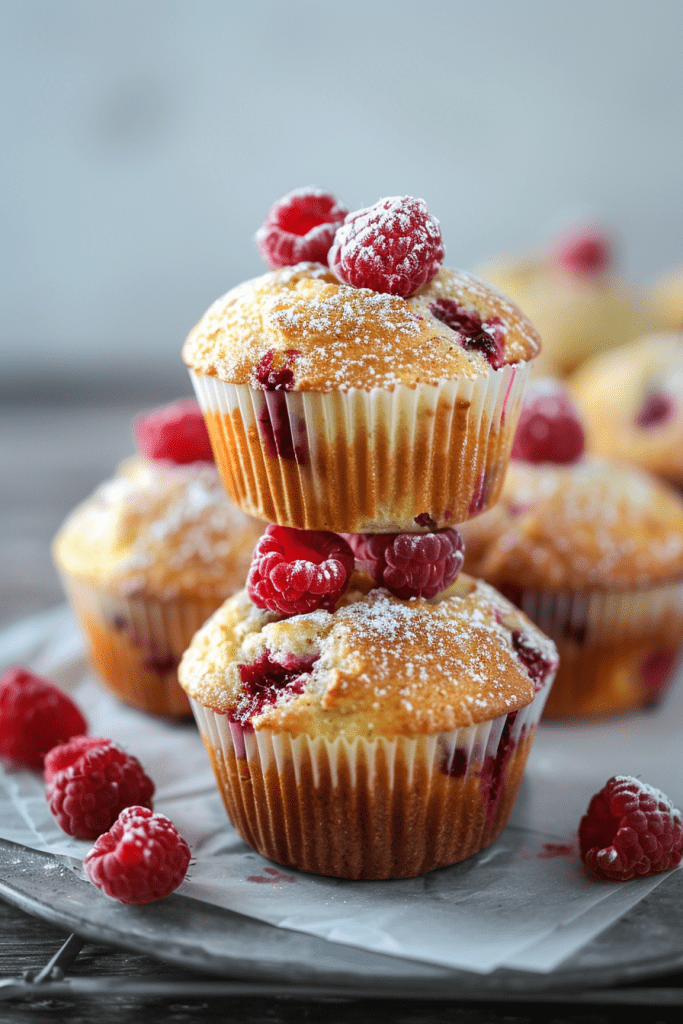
630,829
64,754
300,228
410,564
485,336
35,715
394,246
140,859
89,786
297,571
176,432
583,252
656,409
549,428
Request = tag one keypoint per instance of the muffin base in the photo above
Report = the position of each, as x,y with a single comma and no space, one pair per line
134,645
370,809
365,461
617,651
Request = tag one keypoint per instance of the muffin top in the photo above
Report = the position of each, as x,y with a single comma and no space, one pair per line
592,525
159,528
632,400
328,336
375,666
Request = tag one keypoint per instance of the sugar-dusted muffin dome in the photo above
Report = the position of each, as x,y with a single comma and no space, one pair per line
593,525
161,529
334,336
632,401
376,666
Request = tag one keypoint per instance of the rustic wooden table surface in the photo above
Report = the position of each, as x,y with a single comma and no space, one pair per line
51,457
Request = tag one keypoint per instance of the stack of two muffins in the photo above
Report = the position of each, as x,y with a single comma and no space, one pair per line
369,720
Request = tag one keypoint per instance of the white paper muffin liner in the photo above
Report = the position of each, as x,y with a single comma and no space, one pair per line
135,643
365,461
382,808
617,650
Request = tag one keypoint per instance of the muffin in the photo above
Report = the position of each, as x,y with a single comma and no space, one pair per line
592,552
380,739
632,402
335,406
574,299
666,296
144,561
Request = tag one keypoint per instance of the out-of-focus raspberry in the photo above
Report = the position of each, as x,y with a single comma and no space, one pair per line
96,784
630,830
142,858
35,715
297,571
583,252
300,228
394,246
550,427
176,432
410,564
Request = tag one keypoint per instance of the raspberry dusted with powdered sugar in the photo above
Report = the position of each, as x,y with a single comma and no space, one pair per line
176,432
485,336
297,571
534,661
300,228
141,859
410,564
394,246
630,829
583,252
89,784
549,428
35,715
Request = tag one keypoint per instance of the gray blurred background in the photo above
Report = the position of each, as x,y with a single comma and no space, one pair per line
144,140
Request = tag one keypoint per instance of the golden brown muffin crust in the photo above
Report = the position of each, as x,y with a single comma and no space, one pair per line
385,667
347,337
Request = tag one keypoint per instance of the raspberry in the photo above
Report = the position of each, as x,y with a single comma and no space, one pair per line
534,662
141,859
89,785
484,336
583,252
266,681
297,571
410,564
550,428
64,754
35,715
630,829
300,227
394,246
270,379
655,410
176,432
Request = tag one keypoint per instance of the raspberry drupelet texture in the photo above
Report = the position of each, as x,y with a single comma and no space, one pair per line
630,830
89,786
35,715
410,564
176,432
267,681
300,228
550,427
484,336
583,252
297,571
394,246
64,754
142,858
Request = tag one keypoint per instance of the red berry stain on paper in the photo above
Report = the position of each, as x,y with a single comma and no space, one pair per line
272,875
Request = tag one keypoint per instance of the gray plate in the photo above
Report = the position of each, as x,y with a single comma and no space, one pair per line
647,941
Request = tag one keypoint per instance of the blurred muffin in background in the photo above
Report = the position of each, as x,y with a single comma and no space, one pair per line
666,297
632,402
150,555
574,299
592,551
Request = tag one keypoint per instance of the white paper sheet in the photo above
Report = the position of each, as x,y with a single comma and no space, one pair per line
525,902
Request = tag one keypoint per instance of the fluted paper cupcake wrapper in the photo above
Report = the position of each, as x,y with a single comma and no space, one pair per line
365,461
382,808
618,651
135,643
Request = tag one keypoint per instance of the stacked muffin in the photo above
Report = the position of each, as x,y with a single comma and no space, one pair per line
367,710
